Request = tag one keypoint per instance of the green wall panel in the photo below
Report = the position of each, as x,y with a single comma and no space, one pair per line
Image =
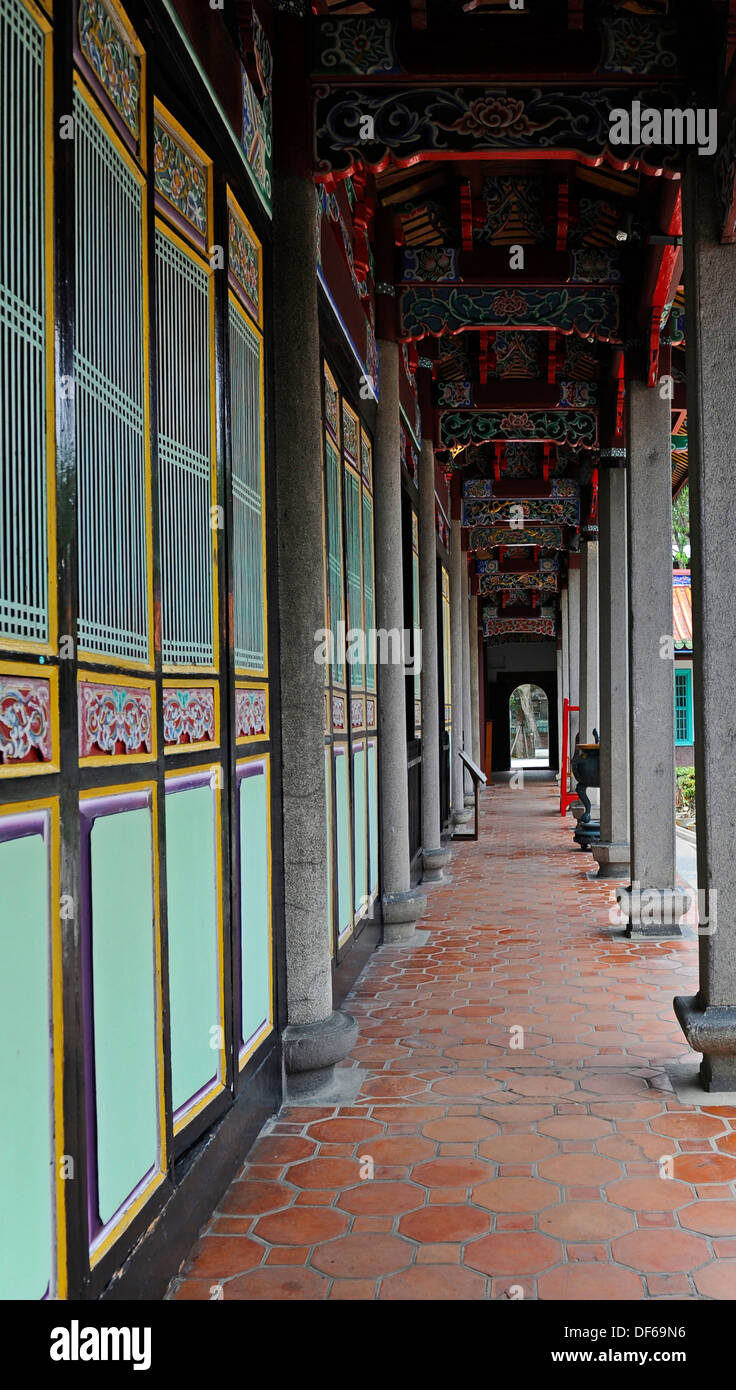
361,828
344,842
255,935
192,890
123,971
26,1153
373,815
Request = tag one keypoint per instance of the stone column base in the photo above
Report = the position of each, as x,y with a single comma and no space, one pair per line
433,863
612,859
470,799
461,817
312,1049
400,912
653,911
711,1031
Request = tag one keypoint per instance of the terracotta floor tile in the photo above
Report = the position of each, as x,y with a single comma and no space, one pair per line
703,1168
302,1225
254,1198
717,1280
444,1223
375,1198
450,1172
585,1221
426,1283
358,1256
523,1253
271,1282
590,1282
281,1149
515,1194
571,1169
710,1218
660,1251
523,1148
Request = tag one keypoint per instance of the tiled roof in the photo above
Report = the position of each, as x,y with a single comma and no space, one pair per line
682,611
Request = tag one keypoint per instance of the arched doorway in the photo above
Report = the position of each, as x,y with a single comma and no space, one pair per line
529,726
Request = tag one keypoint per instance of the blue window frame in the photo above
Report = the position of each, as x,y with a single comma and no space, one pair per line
683,706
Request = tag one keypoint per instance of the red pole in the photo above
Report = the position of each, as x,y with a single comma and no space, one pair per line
566,797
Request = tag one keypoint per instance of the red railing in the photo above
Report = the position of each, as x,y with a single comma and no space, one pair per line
566,796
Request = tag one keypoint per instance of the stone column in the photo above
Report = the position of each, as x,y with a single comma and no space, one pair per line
612,853
652,906
709,1019
400,903
316,1037
457,599
434,856
467,707
474,678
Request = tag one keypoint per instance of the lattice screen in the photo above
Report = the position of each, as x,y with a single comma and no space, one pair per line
185,455
247,486
24,598
109,376
354,565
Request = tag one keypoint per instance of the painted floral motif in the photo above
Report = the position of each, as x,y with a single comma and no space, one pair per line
365,460
565,487
338,713
637,43
591,311
189,716
413,122
576,394
332,416
243,262
264,57
179,178
595,265
485,537
349,433
356,713
547,565
538,511
25,720
477,488
114,63
114,720
256,137
250,714
575,429
455,394
356,45
494,627
434,263
518,587
370,712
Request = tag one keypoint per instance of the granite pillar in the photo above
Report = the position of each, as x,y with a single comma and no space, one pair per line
434,855
316,1037
401,905
652,906
612,853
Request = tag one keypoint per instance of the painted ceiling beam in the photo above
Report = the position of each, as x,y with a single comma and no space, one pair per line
490,265
380,126
514,394
591,311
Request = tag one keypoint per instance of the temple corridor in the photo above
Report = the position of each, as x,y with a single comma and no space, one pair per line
515,1104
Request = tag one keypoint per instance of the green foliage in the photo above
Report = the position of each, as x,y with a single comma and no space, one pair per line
686,784
681,527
